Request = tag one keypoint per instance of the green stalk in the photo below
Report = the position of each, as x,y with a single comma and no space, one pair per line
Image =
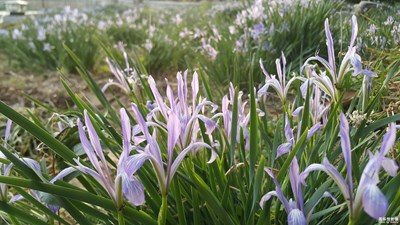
162,215
121,220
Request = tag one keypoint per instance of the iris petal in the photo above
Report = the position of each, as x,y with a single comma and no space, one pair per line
296,217
375,202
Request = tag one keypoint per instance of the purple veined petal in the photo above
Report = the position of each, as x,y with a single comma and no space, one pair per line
354,30
283,149
60,126
87,147
388,141
316,127
369,74
279,71
140,121
157,96
330,46
133,163
288,85
390,166
170,96
297,111
95,141
355,61
132,189
181,92
34,165
324,83
178,160
274,83
210,124
226,115
7,133
374,202
266,197
260,113
329,195
264,70
278,190
16,198
332,172
231,92
195,88
173,126
126,132
263,90
98,177
283,68
344,134
89,172
288,129
303,88
322,61
294,177
296,217
63,173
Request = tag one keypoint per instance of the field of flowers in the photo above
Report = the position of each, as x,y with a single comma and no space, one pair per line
264,112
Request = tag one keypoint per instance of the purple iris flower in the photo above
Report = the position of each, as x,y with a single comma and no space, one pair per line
279,85
368,196
350,62
152,151
131,187
34,165
286,147
188,109
294,209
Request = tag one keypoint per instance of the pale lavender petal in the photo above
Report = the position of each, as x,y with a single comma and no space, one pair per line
87,147
390,166
331,171
34,165
278,189
134,163
182,155
157,96
354,30
170,96
210,124
329,44
126,132
316,127
264,70
296,217
7,133
374,202
288,130
60,126
297,111
266,197
95,140
89,172
263,90
133,190
63,173
15,198
346,149
294,177
283,149
388,141
140,121
195,88
173,127
329,195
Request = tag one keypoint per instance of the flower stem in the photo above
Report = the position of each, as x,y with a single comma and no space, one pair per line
162,215
121,220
